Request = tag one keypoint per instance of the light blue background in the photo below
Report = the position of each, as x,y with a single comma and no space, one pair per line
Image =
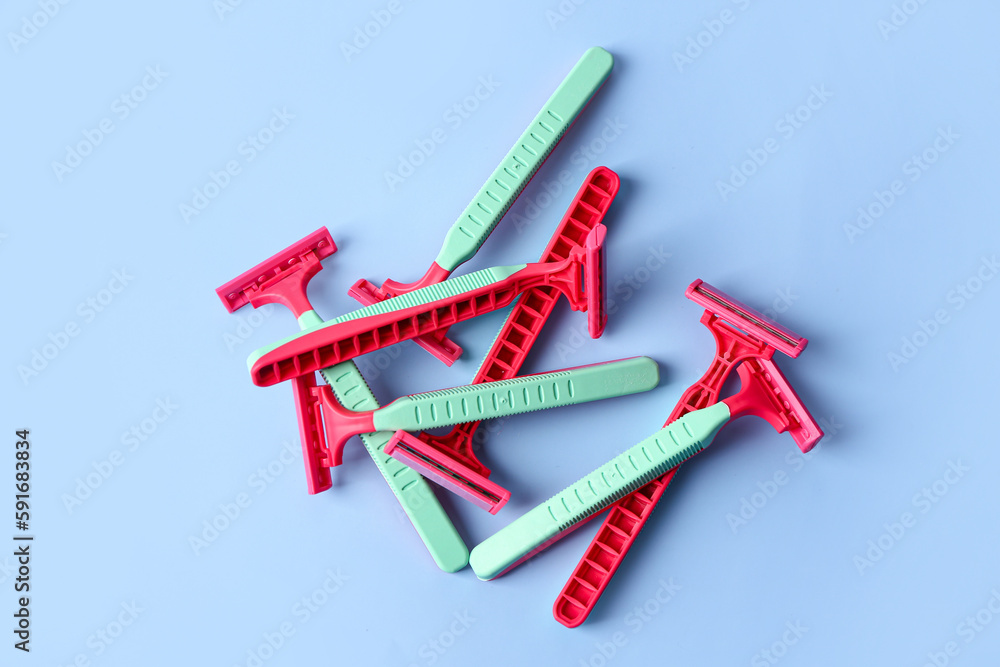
778,242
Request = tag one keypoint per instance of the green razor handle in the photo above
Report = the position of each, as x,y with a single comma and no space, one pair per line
415,496
476,402
540,526
489,400
489,205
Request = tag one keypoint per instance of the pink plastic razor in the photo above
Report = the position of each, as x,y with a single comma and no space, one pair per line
283,279
504,185
448,459
743,336
579,277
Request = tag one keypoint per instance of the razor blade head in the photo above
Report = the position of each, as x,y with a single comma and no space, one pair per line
308,409
325,426
595,281
280,278
766,393
366,292
746,319
447,472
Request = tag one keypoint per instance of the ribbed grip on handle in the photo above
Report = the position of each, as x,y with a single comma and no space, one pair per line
517,336
625,473
490,204
413,492
627,517
517,395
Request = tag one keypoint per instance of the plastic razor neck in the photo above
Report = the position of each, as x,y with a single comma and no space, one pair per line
341,424
309,320
434,274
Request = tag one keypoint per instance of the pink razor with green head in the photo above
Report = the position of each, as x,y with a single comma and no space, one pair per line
579,277
481,216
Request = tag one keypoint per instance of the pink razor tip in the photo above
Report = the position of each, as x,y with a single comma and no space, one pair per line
447,472
746,318
281,278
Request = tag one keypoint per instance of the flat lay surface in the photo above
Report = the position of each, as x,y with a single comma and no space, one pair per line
832,166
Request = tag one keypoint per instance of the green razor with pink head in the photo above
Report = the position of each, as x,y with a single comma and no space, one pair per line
495,197
283,279
475,402
764,392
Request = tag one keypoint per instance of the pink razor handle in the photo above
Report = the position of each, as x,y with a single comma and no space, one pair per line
449,459
579,277
501,189
742,336
436,342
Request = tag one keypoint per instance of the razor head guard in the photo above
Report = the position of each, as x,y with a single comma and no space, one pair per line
281,278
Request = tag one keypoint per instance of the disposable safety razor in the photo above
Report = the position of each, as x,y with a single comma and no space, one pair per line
283,279
474,402
501,189
449,459
742,336
579,277
764,392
